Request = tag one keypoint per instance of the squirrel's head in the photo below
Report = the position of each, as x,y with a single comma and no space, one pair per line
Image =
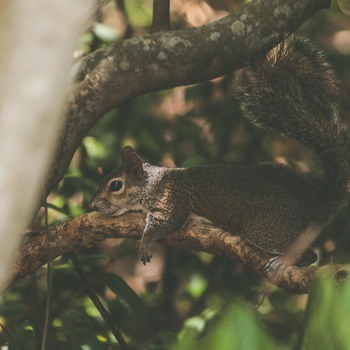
121,189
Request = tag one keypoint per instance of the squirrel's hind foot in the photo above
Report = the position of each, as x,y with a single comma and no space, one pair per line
274,269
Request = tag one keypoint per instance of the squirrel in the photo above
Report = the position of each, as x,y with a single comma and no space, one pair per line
287,86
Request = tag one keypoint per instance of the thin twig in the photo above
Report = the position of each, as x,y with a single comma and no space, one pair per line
36,305
49,289
161,15
97,302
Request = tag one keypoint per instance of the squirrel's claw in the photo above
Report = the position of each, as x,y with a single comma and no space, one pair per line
274,269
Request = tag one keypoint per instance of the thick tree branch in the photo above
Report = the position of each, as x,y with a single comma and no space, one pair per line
88,229
163,60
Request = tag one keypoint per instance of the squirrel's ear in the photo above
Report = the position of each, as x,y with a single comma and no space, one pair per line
135,165
125,153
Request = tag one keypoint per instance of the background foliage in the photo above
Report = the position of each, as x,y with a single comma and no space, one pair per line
183,299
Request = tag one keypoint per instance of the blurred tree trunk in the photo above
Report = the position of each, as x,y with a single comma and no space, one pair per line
36,55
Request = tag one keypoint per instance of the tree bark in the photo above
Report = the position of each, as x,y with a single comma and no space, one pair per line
163,60
88,229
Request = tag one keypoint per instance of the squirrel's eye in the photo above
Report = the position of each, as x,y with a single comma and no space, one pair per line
116,186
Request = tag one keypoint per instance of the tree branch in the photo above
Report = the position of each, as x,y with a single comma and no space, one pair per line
163,60
88,229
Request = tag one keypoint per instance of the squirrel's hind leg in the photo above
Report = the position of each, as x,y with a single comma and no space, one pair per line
298,253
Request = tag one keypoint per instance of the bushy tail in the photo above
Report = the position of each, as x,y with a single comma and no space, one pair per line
291,88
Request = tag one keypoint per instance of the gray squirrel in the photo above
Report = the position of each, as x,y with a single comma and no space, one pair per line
287,86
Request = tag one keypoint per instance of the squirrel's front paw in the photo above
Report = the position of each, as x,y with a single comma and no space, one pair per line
143,252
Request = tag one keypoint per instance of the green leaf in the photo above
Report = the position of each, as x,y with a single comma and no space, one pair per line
197,285
330,313
105,33
239,328
22,338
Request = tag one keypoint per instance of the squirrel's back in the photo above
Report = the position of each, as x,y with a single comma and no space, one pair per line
292,88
